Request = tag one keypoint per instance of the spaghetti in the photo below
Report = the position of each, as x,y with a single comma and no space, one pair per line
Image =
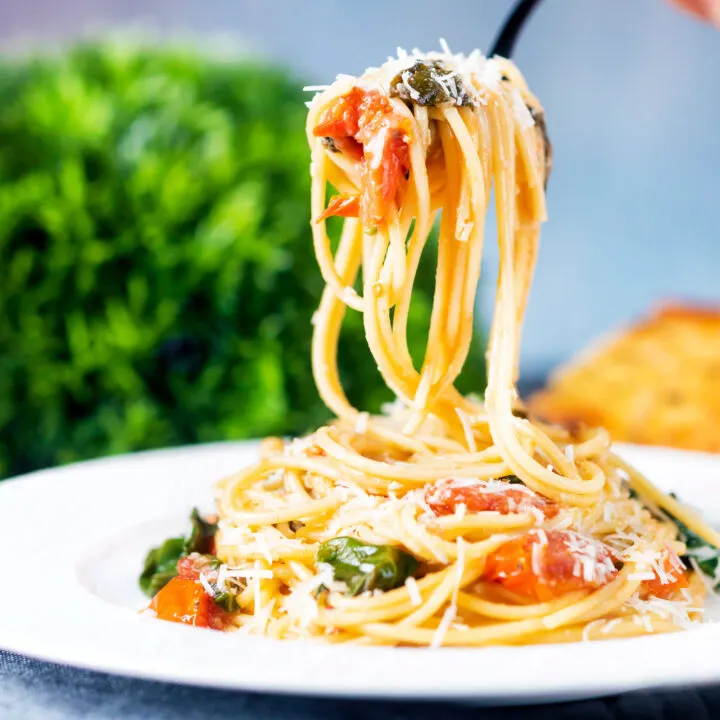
445,520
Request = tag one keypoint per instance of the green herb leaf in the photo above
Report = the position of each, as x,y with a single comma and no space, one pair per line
706,556
362,566
429,83
161,566
541,125
227,601
201,535
161,562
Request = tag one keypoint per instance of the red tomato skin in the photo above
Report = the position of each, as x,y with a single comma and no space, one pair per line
444,497
673,567
188,569
353,121
341,206
185,601
554,571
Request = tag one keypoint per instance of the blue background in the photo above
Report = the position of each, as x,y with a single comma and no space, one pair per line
632,93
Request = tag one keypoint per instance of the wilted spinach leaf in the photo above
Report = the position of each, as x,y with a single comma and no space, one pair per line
201,535
362,566
706,556
429,83
161,565
161,562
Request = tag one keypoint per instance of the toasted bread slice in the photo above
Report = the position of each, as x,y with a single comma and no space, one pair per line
656,383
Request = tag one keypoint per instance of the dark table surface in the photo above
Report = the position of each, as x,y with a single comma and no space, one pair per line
34,690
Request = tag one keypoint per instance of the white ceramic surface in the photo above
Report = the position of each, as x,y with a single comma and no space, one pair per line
72,541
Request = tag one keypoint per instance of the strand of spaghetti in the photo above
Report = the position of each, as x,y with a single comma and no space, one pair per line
292,512
424,219
235,555
503,611
330,274
486,521
388,611
376,291
467,264
612,629
433,548
586,609
436,360
408,473
328,320
597,443
686,516
503,344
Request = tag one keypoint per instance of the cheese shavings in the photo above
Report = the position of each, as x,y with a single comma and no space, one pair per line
451,612
413,592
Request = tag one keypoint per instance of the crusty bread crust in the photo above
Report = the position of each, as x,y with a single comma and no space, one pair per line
656,383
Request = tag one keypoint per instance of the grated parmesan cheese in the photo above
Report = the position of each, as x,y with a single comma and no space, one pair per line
206,584
520,110
413,591
609,625
589,627
444,626
361,423
451,612
467,429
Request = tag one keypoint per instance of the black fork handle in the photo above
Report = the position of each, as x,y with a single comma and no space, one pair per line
504,44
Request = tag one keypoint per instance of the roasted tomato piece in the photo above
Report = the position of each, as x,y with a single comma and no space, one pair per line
670,576
342,206
364,125
340,118
544,565
185,601
445,496
191,566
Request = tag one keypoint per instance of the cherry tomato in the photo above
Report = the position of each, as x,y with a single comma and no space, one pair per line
342,206
544,565
444,497
185,601
363,125
672,578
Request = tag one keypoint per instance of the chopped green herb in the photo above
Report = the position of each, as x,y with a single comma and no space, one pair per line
227,601
539,117
329,144
161,565
429,83
705,555
161,562
201,535
362,566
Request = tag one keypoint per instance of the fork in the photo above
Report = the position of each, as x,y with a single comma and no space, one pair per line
504,44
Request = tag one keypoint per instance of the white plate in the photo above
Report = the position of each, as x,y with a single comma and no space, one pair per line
72,542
